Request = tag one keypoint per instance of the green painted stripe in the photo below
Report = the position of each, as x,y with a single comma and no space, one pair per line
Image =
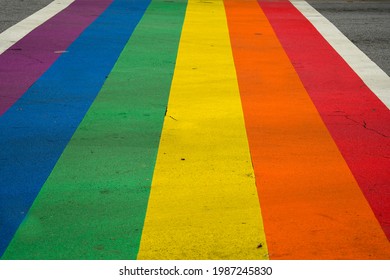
93,204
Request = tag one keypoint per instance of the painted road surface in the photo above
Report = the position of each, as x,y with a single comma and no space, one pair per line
219,129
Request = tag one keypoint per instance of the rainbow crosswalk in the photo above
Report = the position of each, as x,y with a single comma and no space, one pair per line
215,129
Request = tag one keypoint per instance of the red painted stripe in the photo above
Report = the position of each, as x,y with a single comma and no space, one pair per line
311,205
357,120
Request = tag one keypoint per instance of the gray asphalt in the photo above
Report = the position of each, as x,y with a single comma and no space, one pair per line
13,11
365,23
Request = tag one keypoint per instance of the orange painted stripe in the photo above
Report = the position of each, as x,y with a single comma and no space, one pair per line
312,206
357,119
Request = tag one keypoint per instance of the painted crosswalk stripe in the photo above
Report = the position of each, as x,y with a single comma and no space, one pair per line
146,140
357,120
23,63
372,75
99,188
203,202
41,123
16,32
304,184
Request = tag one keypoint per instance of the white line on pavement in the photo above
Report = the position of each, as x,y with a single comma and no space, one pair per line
16,32
371,74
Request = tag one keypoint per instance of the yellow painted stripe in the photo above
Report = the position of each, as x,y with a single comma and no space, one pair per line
203,203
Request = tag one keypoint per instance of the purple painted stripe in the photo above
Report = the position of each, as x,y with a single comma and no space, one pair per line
23,63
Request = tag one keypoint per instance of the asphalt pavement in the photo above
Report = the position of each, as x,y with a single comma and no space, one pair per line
13,11
138,129
365,23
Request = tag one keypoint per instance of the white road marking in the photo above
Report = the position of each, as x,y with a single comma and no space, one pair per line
371,74
16,32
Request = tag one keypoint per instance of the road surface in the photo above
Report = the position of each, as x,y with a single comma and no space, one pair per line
194,129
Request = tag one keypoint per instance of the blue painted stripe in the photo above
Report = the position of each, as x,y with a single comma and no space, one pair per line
35,130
